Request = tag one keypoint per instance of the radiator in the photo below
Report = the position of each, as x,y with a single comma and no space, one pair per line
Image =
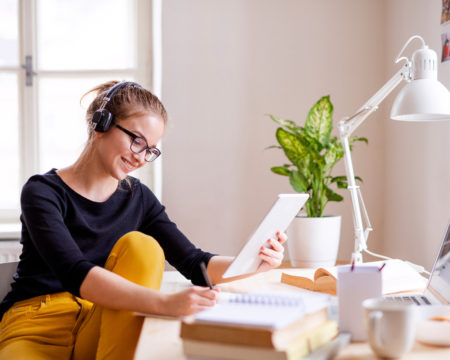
10,251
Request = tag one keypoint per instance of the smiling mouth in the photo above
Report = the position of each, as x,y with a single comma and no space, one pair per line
128,164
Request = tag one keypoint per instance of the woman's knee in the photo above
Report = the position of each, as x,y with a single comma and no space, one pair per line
141,244
136,249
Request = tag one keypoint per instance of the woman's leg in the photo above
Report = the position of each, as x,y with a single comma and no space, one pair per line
41,328
113,334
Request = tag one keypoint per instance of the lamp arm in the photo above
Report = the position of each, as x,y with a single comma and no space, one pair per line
349,124
346,128
360,234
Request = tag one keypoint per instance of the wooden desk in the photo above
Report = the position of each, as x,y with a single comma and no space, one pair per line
160,339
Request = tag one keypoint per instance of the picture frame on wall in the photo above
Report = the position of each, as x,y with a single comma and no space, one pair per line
445,16
445,39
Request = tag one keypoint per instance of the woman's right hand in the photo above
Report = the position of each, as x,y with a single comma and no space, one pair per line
189,301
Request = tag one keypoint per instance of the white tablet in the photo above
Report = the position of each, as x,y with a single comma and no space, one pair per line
279,217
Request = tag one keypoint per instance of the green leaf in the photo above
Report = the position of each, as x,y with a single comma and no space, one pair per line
305,167
288,124
291,145
308,141
332,196
353,139
291,126
280,170
312,154
338,178
273,147
341,181
298,182
344,178
319,121
331,157
342,185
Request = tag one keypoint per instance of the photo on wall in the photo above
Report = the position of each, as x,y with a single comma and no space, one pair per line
445,17
445,37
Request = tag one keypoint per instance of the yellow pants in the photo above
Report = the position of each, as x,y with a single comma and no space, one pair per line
63,326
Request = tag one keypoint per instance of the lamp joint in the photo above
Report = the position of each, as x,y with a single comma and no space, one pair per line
407,73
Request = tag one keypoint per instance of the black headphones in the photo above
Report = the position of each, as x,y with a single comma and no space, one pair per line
102,119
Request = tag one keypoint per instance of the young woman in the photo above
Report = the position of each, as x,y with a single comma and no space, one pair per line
95,240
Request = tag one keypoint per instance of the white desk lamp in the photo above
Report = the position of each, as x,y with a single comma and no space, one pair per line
423,98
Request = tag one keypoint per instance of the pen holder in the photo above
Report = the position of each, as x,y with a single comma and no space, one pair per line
354,285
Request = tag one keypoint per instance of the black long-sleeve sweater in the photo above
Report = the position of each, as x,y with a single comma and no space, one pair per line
64,235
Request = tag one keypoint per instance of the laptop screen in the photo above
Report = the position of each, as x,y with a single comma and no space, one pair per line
439,283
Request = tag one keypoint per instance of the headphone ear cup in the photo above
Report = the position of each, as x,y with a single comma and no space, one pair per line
101,121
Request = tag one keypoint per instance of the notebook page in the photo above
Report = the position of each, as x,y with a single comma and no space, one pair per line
398,276
266,310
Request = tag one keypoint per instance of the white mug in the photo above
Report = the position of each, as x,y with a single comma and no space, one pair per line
390,326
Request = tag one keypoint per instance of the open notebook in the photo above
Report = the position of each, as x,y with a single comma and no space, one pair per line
398,277
272,310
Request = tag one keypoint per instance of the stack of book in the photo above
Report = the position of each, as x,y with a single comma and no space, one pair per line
259,326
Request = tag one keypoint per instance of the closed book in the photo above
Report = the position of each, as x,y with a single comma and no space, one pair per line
263,337
298,348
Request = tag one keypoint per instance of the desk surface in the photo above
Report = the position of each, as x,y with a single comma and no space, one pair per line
160,338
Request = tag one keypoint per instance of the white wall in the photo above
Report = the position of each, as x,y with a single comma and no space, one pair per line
417,197
228,63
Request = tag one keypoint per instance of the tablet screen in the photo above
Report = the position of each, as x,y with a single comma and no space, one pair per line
278,218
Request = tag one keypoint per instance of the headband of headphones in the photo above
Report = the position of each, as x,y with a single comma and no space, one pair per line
102,119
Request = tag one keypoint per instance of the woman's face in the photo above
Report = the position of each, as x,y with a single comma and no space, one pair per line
116,157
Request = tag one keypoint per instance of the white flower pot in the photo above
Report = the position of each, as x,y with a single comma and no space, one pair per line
314,242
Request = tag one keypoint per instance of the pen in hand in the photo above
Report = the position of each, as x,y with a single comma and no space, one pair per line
205,275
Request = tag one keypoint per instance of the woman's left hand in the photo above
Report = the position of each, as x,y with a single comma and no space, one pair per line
273,255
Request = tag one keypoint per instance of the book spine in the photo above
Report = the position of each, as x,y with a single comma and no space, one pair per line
251,336
299,348
210,351
227,334
311,340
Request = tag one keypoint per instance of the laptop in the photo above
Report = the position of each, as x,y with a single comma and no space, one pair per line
437,290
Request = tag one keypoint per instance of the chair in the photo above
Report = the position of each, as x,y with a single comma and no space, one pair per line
7,270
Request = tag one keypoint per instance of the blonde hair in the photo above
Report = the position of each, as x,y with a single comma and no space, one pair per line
129,100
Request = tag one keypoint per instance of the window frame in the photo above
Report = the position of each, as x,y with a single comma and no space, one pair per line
147,71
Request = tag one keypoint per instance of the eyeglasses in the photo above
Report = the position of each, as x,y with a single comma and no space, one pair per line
139,144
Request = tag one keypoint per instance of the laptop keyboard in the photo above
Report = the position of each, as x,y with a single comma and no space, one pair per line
414,299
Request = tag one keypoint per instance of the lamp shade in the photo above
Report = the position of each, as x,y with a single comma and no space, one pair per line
422,100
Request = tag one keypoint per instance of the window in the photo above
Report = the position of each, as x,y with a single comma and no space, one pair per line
51,53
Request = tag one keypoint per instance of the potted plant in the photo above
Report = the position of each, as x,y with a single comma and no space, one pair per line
312,153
